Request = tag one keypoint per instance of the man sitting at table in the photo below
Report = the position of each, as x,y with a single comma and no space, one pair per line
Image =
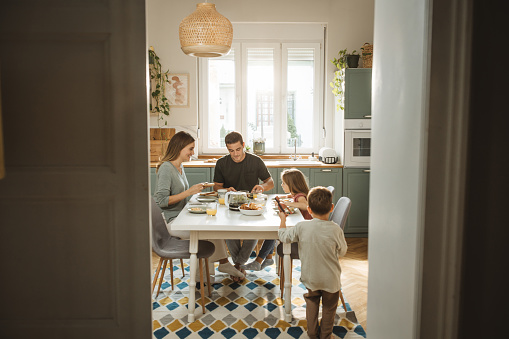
239,171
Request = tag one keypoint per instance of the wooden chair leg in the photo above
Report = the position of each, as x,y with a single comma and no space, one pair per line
182,267
171,273
202,287
156,274
208,275
342,300
162,275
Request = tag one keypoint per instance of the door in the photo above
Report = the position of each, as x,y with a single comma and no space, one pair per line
74,203
196,175
328,177
358,93
356,187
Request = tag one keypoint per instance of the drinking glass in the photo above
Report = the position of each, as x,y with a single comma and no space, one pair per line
221,193
212,208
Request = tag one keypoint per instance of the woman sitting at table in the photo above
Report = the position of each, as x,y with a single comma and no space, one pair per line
173,192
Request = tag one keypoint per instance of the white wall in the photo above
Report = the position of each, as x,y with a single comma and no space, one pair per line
350,25
399,132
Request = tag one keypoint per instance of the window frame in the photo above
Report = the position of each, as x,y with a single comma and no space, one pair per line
280,93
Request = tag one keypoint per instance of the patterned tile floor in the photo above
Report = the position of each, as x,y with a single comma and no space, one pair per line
250,309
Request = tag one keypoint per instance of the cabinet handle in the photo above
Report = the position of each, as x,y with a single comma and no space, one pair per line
326,170
367,171
367,116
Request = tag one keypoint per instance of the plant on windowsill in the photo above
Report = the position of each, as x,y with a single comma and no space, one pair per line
341,63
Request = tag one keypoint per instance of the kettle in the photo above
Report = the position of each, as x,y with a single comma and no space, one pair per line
234,199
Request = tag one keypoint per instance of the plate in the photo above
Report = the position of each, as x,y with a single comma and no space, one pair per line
251,212
197,210
206,199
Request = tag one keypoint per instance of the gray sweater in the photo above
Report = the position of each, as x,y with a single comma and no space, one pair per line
321,243
170,182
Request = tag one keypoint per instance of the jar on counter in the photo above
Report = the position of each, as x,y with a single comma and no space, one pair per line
258,147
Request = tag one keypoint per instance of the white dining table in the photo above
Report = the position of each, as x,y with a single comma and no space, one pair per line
229,224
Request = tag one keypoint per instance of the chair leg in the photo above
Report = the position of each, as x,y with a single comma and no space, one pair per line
208,275
202,287
182,267
162,275
342,300
171,273
156,273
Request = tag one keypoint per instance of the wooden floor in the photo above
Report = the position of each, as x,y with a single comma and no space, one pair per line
354,276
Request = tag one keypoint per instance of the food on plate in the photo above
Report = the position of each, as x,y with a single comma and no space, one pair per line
196,209
212,193
250,206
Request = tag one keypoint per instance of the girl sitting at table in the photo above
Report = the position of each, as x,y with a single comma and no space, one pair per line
173,192
294,183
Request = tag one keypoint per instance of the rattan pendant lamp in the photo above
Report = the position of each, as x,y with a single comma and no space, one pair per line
205,33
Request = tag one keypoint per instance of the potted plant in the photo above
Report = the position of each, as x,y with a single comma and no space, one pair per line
159,105
343,61
352,59
259,146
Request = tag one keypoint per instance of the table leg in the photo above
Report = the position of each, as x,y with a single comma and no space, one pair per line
193,249
287,262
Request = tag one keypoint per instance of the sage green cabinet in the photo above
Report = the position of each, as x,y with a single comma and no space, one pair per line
196,175
327,177
274,173
357,93
356,187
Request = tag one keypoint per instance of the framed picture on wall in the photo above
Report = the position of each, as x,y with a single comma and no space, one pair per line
177,91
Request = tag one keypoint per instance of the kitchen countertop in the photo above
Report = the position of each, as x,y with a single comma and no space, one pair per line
285,163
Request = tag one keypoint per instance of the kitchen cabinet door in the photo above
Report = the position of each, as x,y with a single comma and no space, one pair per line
274,173
357,93
356,187
196,175
304,170
328,177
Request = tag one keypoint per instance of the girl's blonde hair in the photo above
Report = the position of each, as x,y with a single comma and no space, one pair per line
295,180
176,144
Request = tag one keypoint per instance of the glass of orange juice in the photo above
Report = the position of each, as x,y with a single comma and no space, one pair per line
221,193
212,208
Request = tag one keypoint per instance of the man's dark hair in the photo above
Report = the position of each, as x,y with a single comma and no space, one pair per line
320,200
233,137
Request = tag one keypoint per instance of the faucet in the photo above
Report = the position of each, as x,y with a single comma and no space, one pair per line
294,157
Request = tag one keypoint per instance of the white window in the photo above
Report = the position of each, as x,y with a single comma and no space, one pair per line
271,90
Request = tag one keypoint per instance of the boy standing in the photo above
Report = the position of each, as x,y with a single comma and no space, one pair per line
321,243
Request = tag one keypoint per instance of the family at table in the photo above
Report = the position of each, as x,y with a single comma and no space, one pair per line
320,241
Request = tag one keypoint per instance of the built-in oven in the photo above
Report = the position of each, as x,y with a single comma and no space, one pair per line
357,144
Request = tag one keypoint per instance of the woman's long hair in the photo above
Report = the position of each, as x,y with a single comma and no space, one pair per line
295,180
176,144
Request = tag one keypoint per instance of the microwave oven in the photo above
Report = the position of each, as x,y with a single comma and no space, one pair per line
357,148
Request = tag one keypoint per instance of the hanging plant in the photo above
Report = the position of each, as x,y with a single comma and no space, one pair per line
158,80
338,82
